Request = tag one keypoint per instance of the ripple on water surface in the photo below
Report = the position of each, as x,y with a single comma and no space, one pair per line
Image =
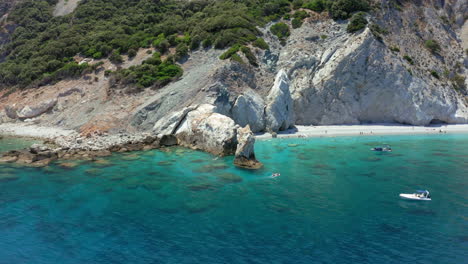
335,202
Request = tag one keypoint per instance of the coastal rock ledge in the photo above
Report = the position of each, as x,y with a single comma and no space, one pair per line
201,128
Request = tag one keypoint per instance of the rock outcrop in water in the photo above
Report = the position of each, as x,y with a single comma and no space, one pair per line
245,156
200,127
206,130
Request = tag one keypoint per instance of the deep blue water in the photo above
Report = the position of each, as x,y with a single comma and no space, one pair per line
335,202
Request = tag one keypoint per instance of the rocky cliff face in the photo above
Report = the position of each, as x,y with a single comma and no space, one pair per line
322,75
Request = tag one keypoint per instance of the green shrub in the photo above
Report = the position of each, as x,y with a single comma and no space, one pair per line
281,30
378,31
231,51
237,58
357,22
323,36
115,57
408,59
154,60
301,14
97,55
435,74
394,49
132,53
162,45
296,4
432,46
181,51
147,75
207,43
249,55
343,9
296,23
317,5
195,43
260,43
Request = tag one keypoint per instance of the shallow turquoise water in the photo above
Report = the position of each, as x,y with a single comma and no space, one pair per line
8,143
335,202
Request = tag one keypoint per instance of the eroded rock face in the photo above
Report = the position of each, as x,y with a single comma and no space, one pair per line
279,112
208,131
361,81
36,110
249,109
245,155
169,124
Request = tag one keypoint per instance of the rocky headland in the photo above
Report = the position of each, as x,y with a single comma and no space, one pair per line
320,75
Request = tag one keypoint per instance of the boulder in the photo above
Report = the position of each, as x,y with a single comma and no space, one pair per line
11,112
168,125
208,131
8,159
245,156
25,157
249,110
35,111
168,140
36,148
279,112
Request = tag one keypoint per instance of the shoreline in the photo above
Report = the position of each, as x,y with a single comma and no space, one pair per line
365,130
63,144
33,131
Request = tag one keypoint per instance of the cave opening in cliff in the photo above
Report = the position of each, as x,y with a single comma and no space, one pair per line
436,121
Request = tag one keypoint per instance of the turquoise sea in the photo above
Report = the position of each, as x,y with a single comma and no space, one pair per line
335,202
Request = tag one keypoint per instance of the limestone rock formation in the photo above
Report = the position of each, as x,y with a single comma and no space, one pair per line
36,110
359,80
245,156
279,112
209,131
169,125
249,109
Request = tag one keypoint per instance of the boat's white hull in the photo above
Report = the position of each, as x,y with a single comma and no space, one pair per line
410,196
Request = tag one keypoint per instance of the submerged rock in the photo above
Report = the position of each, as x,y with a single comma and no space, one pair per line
68,165
93,171
229,177
201,186
245,156
8,177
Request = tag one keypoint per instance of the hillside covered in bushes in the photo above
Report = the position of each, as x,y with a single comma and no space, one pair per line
42,47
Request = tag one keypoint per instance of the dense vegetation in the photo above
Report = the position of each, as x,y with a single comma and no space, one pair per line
338,9
43,47
357,22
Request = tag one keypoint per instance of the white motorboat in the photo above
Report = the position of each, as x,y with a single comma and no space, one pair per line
421,195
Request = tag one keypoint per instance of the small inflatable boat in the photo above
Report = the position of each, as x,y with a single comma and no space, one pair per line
420,195
385,149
